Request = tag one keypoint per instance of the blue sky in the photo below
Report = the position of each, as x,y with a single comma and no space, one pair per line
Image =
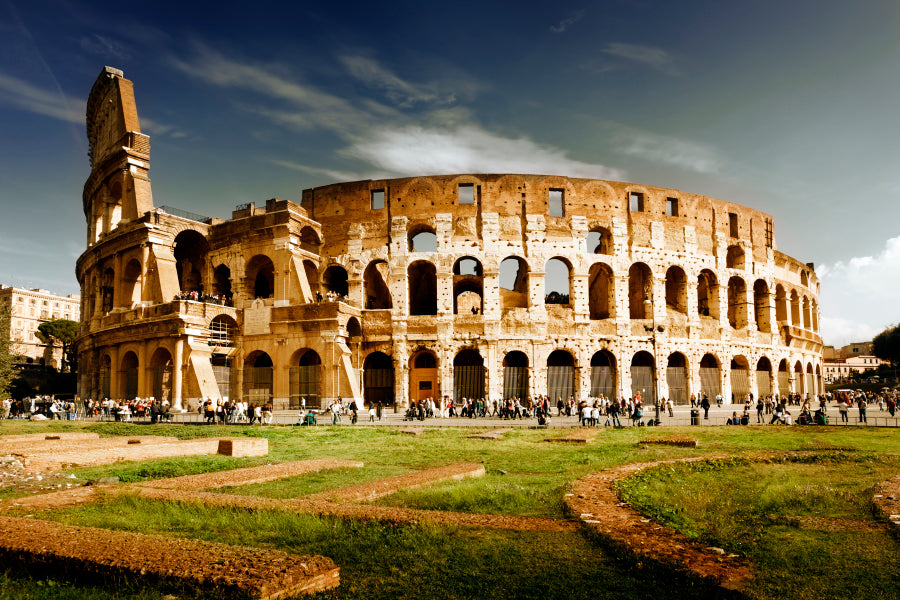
788,107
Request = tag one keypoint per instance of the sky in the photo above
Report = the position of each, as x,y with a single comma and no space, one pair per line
789,107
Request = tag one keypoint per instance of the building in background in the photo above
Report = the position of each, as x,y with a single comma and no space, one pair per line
28,309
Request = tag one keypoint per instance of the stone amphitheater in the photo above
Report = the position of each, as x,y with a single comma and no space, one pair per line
397,290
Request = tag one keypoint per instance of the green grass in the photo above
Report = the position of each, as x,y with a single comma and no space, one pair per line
728,502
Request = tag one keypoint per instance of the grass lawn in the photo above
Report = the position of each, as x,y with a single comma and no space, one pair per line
735,503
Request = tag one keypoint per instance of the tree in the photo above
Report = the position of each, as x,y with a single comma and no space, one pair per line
7,358
886,345
62,332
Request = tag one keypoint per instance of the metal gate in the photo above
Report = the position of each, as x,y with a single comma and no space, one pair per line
104,383
304,384
560,383
763,383
784,383
515,382
378,386
603,382
257,384
740,385
810,385
131,383
710,383
162,382
642,382
676,377
468,382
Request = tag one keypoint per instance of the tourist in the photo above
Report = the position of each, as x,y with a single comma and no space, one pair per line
862,404
704,404
843,409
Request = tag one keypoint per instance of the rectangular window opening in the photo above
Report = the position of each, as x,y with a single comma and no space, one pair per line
377,199
672,207
467,193
635,202
555,199
733,225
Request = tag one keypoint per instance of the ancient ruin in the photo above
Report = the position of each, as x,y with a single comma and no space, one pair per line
454,285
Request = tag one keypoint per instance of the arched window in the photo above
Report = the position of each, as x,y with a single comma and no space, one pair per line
513,276
708,294
335,280
375,278
422,239
222,331
222,275
737,303
422,277
261,276
640,291
761,306
468,286
190,260
676,290
734,259
601,291
599,241
557,282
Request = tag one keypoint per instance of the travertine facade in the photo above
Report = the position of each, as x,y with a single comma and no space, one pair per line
452,285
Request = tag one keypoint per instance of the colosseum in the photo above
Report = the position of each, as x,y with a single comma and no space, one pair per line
466,285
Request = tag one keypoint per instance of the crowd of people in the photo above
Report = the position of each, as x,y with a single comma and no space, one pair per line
202,297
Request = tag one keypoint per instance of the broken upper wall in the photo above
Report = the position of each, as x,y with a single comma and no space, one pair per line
641,215
118,187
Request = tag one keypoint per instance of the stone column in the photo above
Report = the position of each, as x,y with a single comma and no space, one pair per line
143,389
177,374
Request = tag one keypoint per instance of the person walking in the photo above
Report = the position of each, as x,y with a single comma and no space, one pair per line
704,404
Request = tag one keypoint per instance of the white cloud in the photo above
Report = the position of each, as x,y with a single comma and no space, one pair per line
404,93
467,149
687,155
30,98
331,174
651,56
859,296
567,22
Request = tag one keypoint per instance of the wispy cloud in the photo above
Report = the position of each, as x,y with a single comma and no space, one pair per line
684,154
404,93
563,25
30,98
859,296
331,174
651,56
102,45
468,149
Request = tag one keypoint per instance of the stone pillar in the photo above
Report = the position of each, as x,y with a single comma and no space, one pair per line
114,367
177,374
143,390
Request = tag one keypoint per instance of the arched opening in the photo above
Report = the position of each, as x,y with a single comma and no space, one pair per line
312,277
107,289
807,320
375,278
810,386
306,379
422,277
309,240
468,286
784,378
799,386
710,378
560,375
422,239
761,306
734,259
640,291
129,385
708,294
677,378
423,376
804,279
335,280
378,379
795,309
161,368
468,375
258,373
676,290
261,276
190,260
354,329
222,278
131,283
222,331
737,303
740,379
105,376
513,277
557,281
763,377
599,241
643,377
515,375
603,375
781,304
601,296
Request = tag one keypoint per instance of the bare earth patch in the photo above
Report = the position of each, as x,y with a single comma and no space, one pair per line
887,500
251,475
496,434
672,440
830,524
579,436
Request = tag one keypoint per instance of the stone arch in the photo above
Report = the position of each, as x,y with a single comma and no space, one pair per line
740,378
222,281
129,366
599,240
468,374
784,377
222,330
190,252
260,276
378,379
309,239
676,289
763,377
557,281
354,329
422,238
677,378
710,376
799,383
603,375
761,306
737,303
375,278
708,294
468,286
161,371
515,375
513,280
336,280
807,319
643,377
560,375
796,319
601,292
422,278
305,379
781,304
734,259
131,283
423,375
640,291
258,376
